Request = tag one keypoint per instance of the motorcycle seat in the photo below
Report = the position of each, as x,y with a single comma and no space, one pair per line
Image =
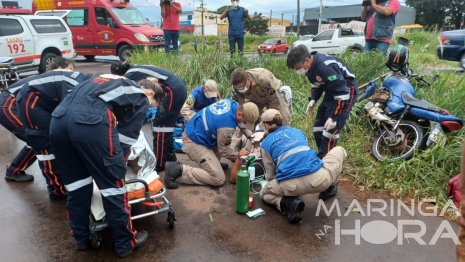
410,100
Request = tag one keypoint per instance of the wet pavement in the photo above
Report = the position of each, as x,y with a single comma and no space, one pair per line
208,228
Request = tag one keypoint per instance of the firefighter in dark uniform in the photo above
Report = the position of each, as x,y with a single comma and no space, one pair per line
36,101
330,75
174,96
92,132
9,118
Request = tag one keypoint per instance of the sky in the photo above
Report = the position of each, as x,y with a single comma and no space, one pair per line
151,10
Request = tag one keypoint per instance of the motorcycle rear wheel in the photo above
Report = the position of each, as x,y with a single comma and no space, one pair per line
413,136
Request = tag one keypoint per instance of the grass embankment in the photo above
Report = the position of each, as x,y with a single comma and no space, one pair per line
425,175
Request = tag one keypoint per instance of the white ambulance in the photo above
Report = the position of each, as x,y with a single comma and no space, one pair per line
33,41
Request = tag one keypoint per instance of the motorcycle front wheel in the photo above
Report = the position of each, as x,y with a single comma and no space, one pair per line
384,149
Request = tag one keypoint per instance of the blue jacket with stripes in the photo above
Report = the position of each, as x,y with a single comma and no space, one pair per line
332,75
290,153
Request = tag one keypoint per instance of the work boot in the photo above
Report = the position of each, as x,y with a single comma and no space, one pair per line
83,246
328,193
55,197
173,172
224,166
141,238
294,207
20,177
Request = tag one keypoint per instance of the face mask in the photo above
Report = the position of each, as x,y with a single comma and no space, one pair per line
235,3
243,90
242,125
150,102
301,71
205,94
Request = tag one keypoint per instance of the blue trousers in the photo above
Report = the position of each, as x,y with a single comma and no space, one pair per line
9,118
327,139
35,113
171,37
371,45
236,39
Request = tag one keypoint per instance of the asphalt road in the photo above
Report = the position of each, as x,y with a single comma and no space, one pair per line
36,229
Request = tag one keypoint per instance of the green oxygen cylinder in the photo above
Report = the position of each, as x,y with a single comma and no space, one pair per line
242,188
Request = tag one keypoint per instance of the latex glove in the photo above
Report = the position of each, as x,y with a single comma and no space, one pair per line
330,124
309,111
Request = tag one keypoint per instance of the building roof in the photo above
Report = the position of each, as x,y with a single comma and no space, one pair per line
344,11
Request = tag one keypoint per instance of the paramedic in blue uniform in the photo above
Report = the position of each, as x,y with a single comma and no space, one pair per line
174,96
36,101
293,168
9,118
92,132
332,76
199,98
207,138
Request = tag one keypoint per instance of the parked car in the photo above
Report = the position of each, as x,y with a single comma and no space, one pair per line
33,41
302,40
335,41
274,45
452,46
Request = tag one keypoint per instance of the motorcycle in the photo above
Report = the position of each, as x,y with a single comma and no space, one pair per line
402,123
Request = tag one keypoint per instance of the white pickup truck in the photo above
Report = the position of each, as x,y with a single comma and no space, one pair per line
335,42
33,41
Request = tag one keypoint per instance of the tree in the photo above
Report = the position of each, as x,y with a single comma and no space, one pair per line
256,26
221,9
434,12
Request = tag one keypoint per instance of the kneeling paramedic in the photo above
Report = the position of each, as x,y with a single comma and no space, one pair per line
206,139
174,96
36,101
199,98
9,118
293,169
260,86
330,75
92,132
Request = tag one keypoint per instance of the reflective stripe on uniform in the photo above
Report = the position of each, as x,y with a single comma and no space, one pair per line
163,129
342,97
291,152
113,191
119,91
329,135
127,140
204,118
318,129
28,147
52,79
346,71
148,72
14,89
45,157
78,184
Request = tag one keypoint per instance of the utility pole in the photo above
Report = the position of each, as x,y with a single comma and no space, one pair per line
321,16
271,15
201,11
282,18
298,18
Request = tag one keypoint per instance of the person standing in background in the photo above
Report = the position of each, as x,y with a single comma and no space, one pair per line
196,43
380,17
170,11
236,15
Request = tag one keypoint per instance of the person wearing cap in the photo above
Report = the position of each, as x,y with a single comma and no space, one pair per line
293,168
260,86
207,138
199,98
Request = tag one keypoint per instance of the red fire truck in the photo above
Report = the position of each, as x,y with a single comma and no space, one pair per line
103,27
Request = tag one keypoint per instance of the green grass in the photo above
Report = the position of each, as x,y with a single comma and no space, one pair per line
425,175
